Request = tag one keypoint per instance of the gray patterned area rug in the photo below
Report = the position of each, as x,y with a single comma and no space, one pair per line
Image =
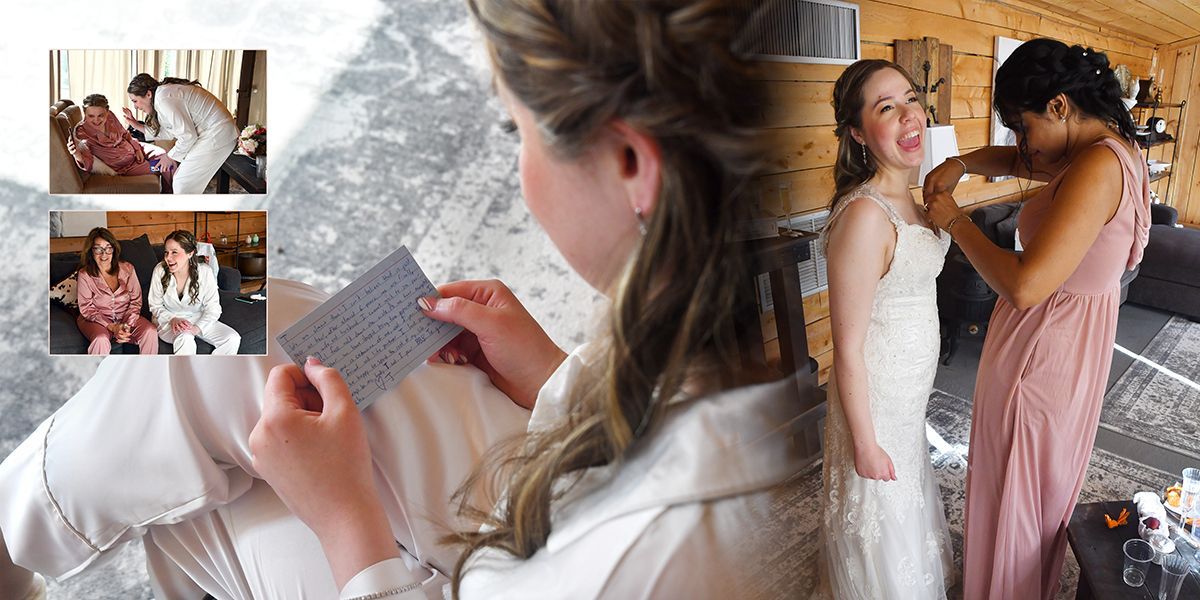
1150,405
1109,477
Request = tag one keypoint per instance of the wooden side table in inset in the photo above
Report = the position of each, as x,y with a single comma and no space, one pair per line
778,257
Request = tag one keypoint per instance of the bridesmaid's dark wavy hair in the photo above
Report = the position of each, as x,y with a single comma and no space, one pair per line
850,170
1041,69
144,83
187,241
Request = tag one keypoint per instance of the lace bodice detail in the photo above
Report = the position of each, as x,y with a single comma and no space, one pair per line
918,256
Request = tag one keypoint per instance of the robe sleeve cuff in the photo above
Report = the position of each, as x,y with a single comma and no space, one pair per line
391,578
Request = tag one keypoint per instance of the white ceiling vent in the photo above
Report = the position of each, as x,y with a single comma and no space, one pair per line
808,31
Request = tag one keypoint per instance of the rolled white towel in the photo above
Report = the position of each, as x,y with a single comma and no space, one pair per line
1152,522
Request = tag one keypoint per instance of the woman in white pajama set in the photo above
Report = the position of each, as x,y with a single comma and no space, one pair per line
652,456
184,302
204,132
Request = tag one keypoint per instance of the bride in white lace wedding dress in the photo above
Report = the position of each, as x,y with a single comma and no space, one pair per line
883,525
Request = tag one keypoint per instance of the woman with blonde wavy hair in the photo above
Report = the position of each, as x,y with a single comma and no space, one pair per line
637,458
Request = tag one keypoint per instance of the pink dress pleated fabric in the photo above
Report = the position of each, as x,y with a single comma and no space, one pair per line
1037,403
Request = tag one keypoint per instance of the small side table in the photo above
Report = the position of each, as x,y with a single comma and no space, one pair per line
1098,550
778,257
244,171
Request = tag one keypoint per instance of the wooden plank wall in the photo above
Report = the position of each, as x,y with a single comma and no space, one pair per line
1181,77
127,225
799,118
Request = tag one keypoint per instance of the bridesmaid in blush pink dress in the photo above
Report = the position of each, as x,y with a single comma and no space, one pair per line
1048,350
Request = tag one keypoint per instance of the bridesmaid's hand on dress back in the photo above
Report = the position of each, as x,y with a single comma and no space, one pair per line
942,209
943,178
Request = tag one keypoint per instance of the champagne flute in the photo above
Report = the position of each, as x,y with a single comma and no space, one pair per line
1189,497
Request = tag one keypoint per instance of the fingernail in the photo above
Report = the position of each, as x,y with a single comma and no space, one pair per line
445,356
312,360
426,304
462,360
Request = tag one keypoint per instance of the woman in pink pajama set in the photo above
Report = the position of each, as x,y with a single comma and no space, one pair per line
100,136
110,297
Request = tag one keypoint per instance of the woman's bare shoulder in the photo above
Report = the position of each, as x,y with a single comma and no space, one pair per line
859,219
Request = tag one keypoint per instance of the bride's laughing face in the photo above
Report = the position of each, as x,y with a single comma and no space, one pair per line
893,121
176,258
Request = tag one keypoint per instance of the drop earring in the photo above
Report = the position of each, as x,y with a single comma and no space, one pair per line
641,221
864,149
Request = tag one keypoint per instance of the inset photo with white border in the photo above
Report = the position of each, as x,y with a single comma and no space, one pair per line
178,282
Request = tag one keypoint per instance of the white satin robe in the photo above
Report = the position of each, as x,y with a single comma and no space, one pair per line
204,133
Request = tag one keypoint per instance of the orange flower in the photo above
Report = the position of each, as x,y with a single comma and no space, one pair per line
1121,519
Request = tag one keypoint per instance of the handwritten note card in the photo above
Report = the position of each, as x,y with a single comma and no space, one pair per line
372,332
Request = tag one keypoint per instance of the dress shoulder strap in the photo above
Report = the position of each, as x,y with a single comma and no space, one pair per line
1136,193
865,190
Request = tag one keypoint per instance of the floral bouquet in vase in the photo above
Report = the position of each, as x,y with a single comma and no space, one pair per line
253,142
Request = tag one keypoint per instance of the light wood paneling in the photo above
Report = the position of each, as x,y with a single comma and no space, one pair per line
126,219
824,364
66,244
126,225
1182,82
798,103
971,26
824,361
972,101
820,337
816,306
808,190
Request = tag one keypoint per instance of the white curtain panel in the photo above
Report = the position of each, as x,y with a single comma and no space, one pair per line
108,72
89,72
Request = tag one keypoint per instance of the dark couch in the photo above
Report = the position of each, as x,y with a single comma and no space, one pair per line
249,320
965,301
1170,276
